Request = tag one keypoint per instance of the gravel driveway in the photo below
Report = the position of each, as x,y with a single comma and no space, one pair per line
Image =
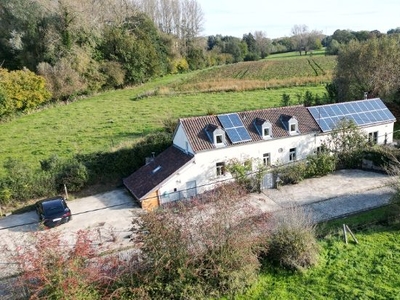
341,193
108,216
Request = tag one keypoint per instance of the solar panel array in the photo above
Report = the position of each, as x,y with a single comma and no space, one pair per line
364,112
234,128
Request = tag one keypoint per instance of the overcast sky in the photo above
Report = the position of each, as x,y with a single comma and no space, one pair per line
276,18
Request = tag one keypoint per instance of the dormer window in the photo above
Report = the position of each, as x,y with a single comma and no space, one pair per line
293,126
263,127
290,123
216,135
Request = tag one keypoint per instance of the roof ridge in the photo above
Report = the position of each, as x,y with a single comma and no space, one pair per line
244,111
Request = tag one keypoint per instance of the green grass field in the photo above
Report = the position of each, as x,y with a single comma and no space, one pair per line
368,270
113,119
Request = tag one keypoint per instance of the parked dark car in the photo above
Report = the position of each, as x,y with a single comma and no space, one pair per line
53,211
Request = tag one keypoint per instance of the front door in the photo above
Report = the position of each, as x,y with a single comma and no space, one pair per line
191,189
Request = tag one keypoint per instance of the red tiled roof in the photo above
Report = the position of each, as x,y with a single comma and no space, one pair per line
148,177
199,141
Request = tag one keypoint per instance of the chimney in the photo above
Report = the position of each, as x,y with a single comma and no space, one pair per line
365,95
150,159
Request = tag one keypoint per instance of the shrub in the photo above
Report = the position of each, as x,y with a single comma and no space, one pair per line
52,269
200,249
293,244
320,164
293,173
18,181
21,90
115,74
74,175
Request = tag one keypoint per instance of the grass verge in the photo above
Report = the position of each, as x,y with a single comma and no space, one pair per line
367,270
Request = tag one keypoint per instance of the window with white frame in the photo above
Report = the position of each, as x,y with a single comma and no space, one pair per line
267,159
219,139
220,168
373,137
266,130
293,126
292,154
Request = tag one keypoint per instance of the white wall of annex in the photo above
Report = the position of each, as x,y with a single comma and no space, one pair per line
181,140
384,131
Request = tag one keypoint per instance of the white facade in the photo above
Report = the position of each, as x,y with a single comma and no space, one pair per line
203,169
203,146
201,174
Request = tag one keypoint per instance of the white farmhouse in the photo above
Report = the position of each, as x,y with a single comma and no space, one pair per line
202,146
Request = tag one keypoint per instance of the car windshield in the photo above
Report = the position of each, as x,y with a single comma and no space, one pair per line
53,207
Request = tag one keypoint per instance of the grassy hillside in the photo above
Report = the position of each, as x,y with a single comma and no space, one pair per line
111,120
114,119
272,72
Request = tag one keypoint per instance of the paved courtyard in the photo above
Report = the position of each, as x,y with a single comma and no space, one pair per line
341,193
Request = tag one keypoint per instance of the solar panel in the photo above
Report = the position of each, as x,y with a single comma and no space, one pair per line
225,121
363,112
234,128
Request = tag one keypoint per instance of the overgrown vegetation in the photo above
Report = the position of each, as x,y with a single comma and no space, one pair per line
52,269
201,249
316,165
293,243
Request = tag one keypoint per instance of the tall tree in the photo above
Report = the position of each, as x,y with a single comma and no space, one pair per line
263,43
299,35
372,66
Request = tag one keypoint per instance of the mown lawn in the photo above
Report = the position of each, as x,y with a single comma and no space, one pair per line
113,119
368,270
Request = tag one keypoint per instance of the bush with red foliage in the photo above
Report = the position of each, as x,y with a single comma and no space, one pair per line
53,269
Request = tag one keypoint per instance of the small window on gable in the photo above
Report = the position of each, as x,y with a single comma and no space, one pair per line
292,127
266,132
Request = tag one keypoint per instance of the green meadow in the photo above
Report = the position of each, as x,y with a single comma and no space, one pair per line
115,119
